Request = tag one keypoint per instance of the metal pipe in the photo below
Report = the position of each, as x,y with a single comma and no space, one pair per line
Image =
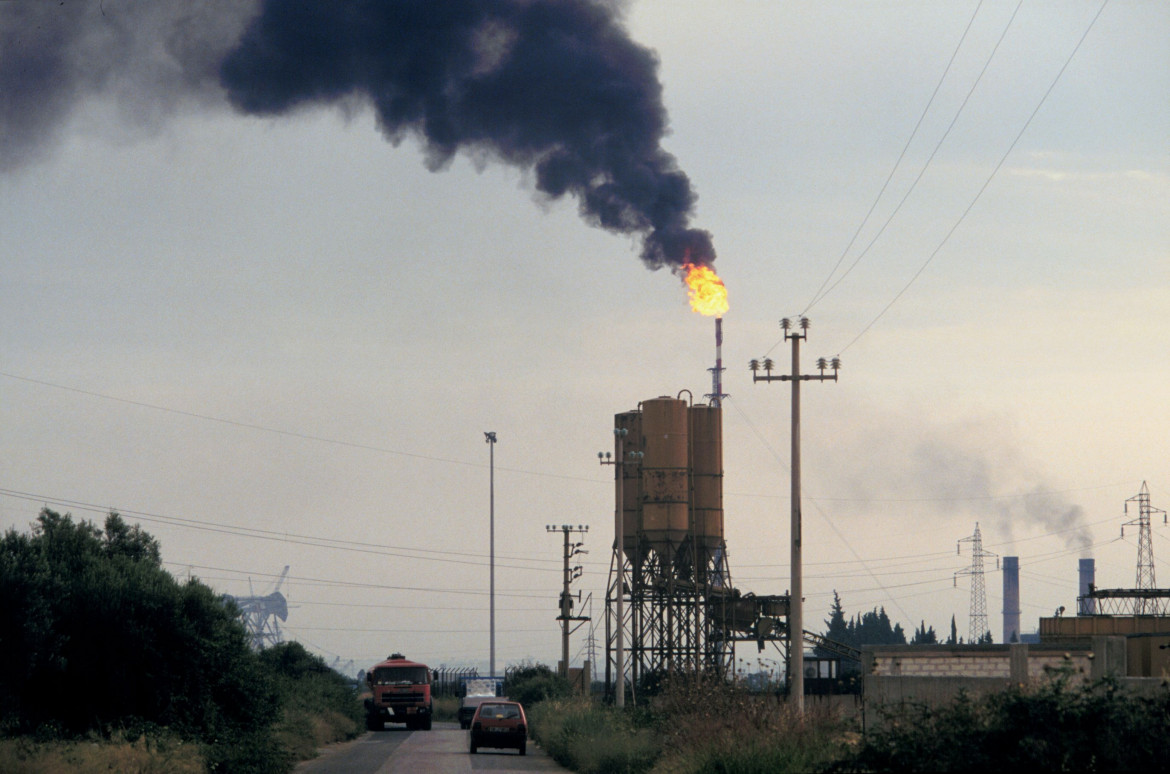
620,656
717,388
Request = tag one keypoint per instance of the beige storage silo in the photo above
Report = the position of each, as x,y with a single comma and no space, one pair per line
706,444
631,477
665,480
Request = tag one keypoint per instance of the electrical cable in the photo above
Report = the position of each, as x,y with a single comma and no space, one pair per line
287,433
367,585
281,537
950,232
817,295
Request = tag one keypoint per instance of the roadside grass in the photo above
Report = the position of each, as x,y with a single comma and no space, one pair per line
446,709
142,756
710,727
692,727
302,732
319,707
592,739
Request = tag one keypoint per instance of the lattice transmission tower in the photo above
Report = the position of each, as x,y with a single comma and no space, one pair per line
977,627
262,615
1145,560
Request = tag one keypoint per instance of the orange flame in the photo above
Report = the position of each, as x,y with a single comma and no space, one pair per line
707,292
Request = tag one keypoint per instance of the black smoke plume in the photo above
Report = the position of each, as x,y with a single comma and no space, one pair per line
146,58
556,86
553,86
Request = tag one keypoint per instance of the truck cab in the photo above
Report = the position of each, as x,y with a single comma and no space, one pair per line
400,692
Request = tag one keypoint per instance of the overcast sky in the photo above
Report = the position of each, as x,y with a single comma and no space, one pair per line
279,339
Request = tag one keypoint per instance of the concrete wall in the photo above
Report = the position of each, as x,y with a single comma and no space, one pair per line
1068,627
895,674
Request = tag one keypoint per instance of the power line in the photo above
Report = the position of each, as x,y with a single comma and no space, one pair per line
986,182
287,433
406,629
363,584
856,556
273,535
832,525
230,529
817,296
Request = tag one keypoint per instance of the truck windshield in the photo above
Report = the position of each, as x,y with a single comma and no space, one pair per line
401,675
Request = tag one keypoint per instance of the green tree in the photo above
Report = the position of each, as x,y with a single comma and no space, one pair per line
1050,727
530,683
874,628
924,636
97,635
836,628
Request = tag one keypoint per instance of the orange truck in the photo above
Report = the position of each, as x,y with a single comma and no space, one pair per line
400,692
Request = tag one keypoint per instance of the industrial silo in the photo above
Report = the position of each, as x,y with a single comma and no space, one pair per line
706,454
630,470
665,479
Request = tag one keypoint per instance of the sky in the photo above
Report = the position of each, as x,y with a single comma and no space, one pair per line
275,334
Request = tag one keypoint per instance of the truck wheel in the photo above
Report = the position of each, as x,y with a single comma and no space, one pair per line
473,747
426,724
524,748
374,723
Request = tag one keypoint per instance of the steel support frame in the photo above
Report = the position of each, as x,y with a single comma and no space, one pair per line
667,627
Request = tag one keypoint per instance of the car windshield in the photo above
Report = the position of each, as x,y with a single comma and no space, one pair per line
400,675
500,711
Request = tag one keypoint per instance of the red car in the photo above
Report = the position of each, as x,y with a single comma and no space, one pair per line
499,724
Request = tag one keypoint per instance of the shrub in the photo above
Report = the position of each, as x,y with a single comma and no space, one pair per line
531,684
93,614
96,615
593,739
694,726
319,705
154,755
446,708
708,726
1045,727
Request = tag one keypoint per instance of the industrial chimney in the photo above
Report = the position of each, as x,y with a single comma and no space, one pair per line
1088,572
1011,599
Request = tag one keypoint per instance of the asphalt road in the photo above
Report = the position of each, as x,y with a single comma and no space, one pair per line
443,750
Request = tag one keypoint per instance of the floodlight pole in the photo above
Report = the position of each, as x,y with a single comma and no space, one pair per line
490,439
796,601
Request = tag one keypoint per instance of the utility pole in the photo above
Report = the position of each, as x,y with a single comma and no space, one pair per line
796,602
490,439
570,575
619,434
977,623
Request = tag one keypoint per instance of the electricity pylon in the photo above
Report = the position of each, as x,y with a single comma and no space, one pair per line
977,627
1145,561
